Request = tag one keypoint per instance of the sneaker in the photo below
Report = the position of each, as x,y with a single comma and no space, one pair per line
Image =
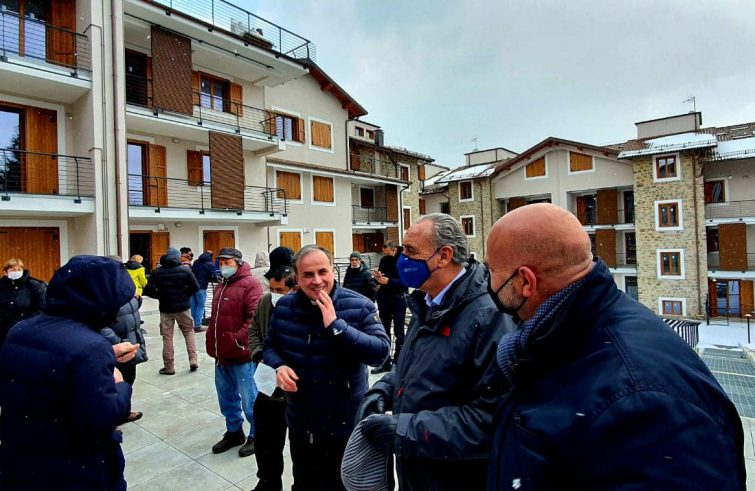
200,329
193,367
230,439
165,371
247,449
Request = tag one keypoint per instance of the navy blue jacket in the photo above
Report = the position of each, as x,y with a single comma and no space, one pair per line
60,403
394,288
19,300
204,270
611,398
172,284
331,367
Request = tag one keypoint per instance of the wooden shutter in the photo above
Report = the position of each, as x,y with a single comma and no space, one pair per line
227,171
582,209
746,297
300,130
194,167
608,212
325,239
156,177
407,218
292,240
356,161
290,183
320,134
712,301
61,43
171,67
732,246
422,207
159,243
357,242
39,173
515,203
605,246
196,88
421,172
536,168
237,99
579,162
391,234
323,189
391,203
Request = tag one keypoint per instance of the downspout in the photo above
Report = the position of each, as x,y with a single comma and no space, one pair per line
482,219
116,27
697,234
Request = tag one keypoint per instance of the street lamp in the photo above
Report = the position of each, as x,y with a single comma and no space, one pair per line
748,316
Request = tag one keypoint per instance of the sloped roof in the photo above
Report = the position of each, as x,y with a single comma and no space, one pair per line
551,141
465,173
330,86
671,143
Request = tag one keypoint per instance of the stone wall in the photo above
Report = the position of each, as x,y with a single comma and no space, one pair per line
484,202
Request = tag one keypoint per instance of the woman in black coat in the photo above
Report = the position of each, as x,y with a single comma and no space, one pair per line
21,296
359,278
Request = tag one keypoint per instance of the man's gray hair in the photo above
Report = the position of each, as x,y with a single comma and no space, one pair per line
447,231
308,249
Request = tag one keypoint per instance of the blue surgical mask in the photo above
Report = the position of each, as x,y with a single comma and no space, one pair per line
228,271
414,272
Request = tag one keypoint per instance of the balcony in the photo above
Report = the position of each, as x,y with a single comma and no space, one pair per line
374,166
626,260
43,183
375,215
167,197
591,217
41,60
714,262
730,210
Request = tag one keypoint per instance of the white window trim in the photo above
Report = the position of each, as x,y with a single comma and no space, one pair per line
678,168
658,264
374,197
278,109
568,164
672,299
403,225
726,191
474,224
278,235
331,230
658,227
471,183
309,135
312,191
299,201
524,169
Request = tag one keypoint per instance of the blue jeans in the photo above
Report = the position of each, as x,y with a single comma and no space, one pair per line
197,307
236,392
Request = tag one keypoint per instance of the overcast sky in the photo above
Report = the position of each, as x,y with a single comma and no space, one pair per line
435,74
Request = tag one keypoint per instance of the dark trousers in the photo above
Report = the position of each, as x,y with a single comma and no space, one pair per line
393,311
129,373
317,466
269,440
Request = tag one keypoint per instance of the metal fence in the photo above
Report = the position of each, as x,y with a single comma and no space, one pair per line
730,209
374,214
686,329
45,173
714,262
36,41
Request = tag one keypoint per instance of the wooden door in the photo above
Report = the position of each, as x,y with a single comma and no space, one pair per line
326,240
37,247
391,203
746,304
39,168
732,246
712,298
373,243
157,184
159,243
214,240
292,240
357,242
582,209
61,40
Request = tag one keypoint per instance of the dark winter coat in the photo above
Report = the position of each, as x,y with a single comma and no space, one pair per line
361,281
127,327
233,304
445,387
204,270
60,403
19,300
394,287
172,284
260,326
331,367
608,397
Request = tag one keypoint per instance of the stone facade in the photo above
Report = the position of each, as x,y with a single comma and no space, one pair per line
690,239
484,201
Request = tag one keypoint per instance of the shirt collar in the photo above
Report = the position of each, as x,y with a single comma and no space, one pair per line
434,302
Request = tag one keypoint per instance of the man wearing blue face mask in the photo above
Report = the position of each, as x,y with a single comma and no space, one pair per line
444,388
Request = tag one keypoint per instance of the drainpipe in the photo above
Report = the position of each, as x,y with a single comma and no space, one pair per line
482,220
118,61
697,234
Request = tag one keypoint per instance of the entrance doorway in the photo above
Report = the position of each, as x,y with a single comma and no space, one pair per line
214,240
149,245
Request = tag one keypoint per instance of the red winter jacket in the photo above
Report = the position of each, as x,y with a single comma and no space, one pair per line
233,304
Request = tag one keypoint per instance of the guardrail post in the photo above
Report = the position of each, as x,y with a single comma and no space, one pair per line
6,196
78,184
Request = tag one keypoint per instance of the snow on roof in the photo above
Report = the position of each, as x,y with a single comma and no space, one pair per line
741,148
471,172
672,143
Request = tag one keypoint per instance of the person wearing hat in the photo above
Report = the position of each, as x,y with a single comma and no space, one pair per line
359,278
173,284
61,395
233,305
279,257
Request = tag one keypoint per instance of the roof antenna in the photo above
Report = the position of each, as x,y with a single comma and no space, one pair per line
474,139
691,99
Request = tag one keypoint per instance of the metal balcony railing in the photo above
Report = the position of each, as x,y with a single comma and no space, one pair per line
373,214
371,165
206,109
730,209
169,192
626,259
45,173
686,329
38,42
251,28
591,217
714,262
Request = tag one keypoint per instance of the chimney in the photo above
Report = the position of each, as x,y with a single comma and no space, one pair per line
672,125
379,138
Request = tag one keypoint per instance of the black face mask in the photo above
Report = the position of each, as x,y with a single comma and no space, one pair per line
494,295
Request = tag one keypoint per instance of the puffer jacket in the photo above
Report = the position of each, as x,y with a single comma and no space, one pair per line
606,396
127,327
445,387
172,284
233,306
331,367
204,270
361,281
261,267
19,300
136,271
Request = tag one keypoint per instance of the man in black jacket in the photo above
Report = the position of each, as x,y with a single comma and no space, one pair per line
444,388
391,299
173,284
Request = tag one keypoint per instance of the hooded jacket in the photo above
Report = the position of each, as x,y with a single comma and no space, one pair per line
61,405
136,271
361,281
172,284
19,300
233,305
445,387
127,327
261,267
204,270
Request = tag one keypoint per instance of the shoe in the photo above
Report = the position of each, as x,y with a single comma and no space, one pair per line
165,371
230,439
200,329
385,367
134,416
193,367
266,486
206,321
247,448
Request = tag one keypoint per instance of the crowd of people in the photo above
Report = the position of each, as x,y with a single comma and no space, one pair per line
530,371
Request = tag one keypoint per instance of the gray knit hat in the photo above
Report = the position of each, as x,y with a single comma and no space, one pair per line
365,467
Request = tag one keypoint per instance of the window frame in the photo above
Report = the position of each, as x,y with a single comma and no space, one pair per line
308,137
315,202
680,215
404,226
571,172
680,300
659,264
299,201
677,166
725,187
226,97
545,164
408,173
471,187
359,131
374,195
474,225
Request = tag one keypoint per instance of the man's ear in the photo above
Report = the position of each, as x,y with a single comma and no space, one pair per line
529,286
446,255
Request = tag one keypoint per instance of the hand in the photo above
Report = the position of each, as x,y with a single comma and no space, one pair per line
380,429
326,307
286,378
380,278
125,352
117,375
373,403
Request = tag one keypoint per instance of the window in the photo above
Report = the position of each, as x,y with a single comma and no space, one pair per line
445,207
407,218
580,162
359,132
715,191
320,134
466,191
630,287
592,244
289,128
198,164
711,239
322,189
467,223
290,183
587,211
371,135
367,197
535,169
630,244
670,263
422,207
668,215
666,168
214,93
206,167
404,172
671,307
628,206
27,38
136,156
